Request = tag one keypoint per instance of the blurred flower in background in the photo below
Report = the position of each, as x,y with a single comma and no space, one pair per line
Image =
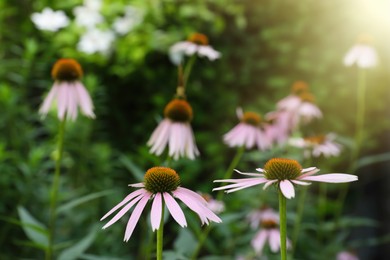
161,184
363,54
49,20
268,221
317,145
214,205
69,92
88,15
345,255
196,43
133,17
96,41
175,130
248,132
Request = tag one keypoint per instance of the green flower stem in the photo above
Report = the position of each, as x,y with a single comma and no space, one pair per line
188,69
160,237
283,226
54,189
298,218
230,169
227,175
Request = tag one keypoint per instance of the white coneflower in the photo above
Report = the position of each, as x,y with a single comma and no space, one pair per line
49,20
363,54
196,43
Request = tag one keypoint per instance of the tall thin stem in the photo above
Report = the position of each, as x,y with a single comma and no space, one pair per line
283,226
188,69
229,171
160,235
54,189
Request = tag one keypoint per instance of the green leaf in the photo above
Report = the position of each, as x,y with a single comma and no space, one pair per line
134,169
185,243
34,230
365,161
74,203
75,251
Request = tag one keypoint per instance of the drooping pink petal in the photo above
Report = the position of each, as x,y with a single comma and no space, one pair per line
300,182
259,240
156,211
124,210
135,215
196,204
237,180
274,240
160,136
269,183
62,100
72,102
287,189
85,101
308,169
175,209
332,178
45,107
123,202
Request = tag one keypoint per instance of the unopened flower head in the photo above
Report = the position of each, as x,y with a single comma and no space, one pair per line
248,132
196,43
363,54
284,173
175,130
49,20
161,184
68,90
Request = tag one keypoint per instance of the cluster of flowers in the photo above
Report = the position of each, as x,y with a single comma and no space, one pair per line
162,186
89,17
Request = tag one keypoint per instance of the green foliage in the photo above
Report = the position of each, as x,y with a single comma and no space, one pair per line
265,47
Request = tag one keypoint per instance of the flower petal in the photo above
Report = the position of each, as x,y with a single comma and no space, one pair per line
123,202
135,215
332,178
300,182
259,240
156,211
287,189
175,209
249,173
267,184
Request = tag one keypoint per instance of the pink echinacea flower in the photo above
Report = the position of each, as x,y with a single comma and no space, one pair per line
317,145
69,92
162,186
268,221
284,173
248,132
175,130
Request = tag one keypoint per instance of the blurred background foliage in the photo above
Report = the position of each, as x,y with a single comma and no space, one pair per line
265,46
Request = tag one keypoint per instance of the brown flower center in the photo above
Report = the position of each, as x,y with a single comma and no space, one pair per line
67,70
318,139
282,169
161,179
307,97
299,87
251,118
178,110
198,38
268,224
